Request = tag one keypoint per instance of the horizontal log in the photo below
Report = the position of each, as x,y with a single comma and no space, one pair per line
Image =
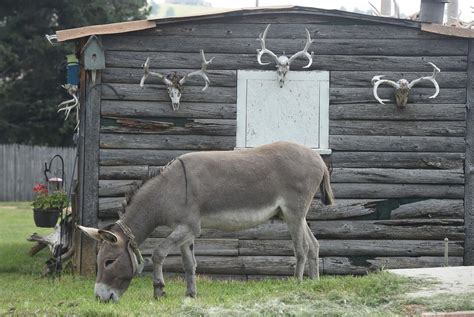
386,191
431,208
123,172
409,229
421,112
425,160
396,143
284,265
218,78
344,79
417,95
397,176
190,126
397,128
233,29
248,45
159,93
138,157
215,247
110,207
153,109
356,247
166,142
341,209
320,62
111,188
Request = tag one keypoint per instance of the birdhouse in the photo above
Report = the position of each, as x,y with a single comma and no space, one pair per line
94,56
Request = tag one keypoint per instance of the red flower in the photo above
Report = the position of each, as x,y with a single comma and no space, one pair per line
40,189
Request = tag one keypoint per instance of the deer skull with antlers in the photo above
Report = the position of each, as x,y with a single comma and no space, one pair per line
174,82
283,62
403,86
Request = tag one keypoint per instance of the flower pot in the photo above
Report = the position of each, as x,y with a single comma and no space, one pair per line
46,218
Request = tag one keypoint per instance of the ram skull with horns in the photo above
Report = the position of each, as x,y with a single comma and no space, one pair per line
403,87
283,62
174,82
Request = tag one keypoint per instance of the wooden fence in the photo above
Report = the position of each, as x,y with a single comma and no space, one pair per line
22,166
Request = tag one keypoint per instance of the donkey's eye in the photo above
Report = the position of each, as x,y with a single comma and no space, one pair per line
108,262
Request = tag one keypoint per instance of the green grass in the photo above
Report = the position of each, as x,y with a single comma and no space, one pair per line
24,292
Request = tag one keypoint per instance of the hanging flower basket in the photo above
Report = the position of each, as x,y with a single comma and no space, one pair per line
46,218
47,206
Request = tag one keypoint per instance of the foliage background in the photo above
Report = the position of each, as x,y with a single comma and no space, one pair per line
32,70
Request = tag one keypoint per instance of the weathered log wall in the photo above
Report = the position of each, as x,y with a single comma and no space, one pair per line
397,174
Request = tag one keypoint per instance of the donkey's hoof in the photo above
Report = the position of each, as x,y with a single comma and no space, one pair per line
159,293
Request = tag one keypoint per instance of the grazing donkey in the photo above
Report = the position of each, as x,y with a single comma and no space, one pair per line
231,191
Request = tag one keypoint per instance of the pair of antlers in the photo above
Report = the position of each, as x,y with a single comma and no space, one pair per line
168,82
403,83
286,60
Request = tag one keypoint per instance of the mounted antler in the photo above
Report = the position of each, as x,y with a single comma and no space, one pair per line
174,82
70,104
403,87
283,62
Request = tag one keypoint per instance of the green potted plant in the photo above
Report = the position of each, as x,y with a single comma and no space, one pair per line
47,205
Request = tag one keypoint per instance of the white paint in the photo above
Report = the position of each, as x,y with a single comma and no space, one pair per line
297,112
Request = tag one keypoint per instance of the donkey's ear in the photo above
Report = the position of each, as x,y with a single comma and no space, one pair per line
90,232
108,236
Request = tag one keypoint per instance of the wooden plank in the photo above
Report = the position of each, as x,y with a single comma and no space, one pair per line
342,208
421,112
218,78
284,265
396,143
417,95
344,79
155,109
431,208
447,30
123,172
215,247
397,128
109,207
398,176
113,188
166,142
355,247
420,160
356,265
320,62
469,169
159,93
222,127
230,28
386,191
248,45
138,157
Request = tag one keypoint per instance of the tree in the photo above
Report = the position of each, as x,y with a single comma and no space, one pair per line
32,71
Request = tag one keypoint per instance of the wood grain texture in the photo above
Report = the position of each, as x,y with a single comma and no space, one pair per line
113,188
152,109
248,45
397,128
420,160
320,62
397,176
166,142
431,208
420,112
123,172
138,157
396,143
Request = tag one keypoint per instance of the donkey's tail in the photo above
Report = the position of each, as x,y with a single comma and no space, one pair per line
327,197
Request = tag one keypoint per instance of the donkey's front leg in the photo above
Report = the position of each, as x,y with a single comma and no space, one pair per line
180,235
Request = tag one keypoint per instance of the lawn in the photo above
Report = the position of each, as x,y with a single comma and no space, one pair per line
24,292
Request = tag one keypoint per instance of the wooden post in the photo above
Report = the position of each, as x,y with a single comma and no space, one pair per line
469,168
88,202
386,7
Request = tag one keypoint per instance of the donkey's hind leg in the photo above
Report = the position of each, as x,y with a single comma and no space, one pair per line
313,254
189,265
296,225
179,236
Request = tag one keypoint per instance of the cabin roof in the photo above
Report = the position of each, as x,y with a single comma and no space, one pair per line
130,26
